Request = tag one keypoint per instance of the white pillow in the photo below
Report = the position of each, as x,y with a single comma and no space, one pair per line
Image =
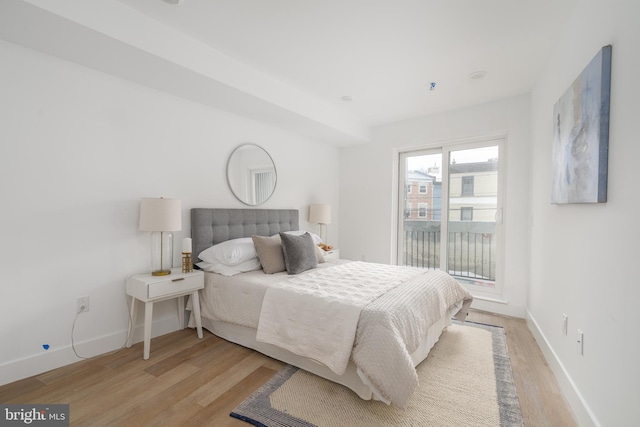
231,252
315,237
231,270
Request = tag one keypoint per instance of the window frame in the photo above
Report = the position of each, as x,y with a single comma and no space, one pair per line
466,209
422,206
470,182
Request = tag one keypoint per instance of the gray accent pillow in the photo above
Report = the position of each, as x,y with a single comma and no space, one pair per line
299,253
270,253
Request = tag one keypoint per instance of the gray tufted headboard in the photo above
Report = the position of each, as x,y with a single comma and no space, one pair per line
212,226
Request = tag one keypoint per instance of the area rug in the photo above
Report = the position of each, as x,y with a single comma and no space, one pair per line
465,381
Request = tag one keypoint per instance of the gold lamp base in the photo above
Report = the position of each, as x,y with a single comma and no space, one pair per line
161,273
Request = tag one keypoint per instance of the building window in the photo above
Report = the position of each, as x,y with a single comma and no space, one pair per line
423,189
466,214
467,185
422,210
408,188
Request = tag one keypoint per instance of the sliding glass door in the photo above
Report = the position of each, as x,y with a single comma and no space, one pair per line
450,211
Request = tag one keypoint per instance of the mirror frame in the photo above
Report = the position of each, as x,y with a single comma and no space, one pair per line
235,192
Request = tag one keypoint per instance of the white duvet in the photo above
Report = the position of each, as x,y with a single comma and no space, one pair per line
316,315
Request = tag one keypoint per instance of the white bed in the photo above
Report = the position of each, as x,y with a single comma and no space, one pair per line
231,306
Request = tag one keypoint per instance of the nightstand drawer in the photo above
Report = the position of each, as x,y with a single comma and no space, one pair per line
146,287
173,286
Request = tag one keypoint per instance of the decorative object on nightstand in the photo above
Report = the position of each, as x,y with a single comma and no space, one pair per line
187,262
149,289
325,247
161,217
320,214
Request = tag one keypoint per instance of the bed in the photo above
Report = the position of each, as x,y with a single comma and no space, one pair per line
250,309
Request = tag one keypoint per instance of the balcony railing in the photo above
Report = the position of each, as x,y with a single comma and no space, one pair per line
471,250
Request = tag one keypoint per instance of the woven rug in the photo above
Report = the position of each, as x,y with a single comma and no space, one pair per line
465,381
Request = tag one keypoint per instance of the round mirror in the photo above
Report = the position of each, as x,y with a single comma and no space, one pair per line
251,174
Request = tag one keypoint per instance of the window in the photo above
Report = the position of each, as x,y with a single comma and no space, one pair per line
408,188
467,185
466,214
422,210
423,189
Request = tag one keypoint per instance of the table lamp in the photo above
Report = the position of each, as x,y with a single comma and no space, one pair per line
161,217
320,214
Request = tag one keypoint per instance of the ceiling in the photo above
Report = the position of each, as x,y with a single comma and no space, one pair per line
307,55
383,54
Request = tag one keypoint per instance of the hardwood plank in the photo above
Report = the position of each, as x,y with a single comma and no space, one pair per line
276,365
174,415
136,404
62,374
217,412
186,355
12,391
188,381
213,389
116,392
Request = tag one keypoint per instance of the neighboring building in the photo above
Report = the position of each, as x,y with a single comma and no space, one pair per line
473,190
420,197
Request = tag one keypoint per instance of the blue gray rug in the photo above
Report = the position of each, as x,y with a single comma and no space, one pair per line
465,381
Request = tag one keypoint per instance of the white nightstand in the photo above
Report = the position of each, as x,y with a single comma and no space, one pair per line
149,289
332,254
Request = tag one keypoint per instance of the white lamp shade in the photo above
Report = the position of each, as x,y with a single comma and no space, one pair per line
320,214
160,214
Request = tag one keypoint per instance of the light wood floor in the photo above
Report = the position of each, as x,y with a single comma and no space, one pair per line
195,382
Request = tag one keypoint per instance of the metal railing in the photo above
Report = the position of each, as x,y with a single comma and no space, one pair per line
471,250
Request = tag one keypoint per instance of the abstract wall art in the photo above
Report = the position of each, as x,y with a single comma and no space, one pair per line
581,136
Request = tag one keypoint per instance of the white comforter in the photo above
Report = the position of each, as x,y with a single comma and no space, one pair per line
376,314
316,315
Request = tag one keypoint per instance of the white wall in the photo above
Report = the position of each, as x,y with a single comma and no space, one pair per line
584,257
367,179
78,150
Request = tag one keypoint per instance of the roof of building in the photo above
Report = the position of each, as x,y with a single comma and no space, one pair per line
488,166
420,175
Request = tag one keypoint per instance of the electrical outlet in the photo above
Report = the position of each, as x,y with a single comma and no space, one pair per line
580,342
82,304
565,324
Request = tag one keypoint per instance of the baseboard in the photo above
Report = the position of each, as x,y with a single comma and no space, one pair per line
497,306
581,410
55,358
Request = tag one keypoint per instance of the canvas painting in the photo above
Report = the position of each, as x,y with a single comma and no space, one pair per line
581,136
